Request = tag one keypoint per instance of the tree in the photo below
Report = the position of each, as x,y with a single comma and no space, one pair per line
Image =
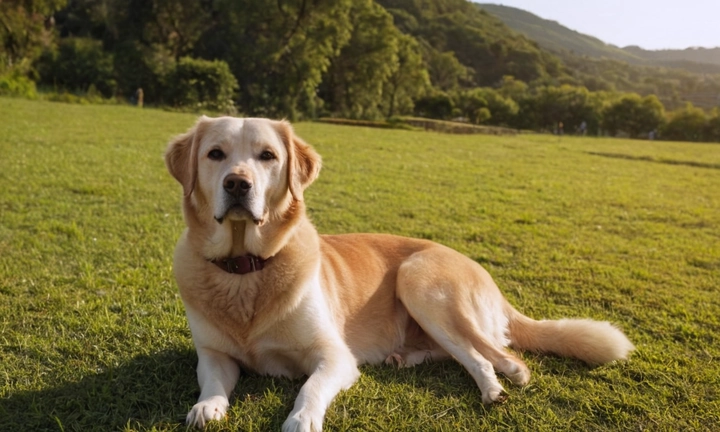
77,64
178,24
279,50
686,124
408,82
512,88
485,105
634,115
480,42
437,105
712,129
25,28
357,76
445,70
201,83
547,106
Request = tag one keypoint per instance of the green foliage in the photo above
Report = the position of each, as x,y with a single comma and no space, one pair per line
77,64
545,107
445,70
687,124
634,115
673,87
23,32
379,73
15,84
201,84
557,38
408,82
693,124
554,36
279,51
93,334
675,76
437,105
712,129
512,88
485,105
481,43
355,80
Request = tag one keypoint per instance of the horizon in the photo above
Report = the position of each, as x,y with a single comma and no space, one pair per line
642,23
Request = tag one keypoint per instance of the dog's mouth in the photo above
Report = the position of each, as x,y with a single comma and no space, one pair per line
238,212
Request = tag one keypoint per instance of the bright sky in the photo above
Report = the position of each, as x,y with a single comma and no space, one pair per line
651,24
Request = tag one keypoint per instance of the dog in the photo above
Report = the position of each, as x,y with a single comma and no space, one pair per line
264,291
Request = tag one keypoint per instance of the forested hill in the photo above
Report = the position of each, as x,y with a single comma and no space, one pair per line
693,54
555,37
452,31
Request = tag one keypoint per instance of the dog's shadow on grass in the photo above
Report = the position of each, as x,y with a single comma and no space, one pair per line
155,392
449,381
150,390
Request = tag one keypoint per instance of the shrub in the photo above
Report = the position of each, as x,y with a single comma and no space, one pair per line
712,128
77,64
66,97
196,83
17,85
686,124
437,105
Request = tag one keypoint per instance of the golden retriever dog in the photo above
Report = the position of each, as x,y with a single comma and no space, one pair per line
264,291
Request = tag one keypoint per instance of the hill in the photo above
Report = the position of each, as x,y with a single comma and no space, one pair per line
478,40
558,38
692,55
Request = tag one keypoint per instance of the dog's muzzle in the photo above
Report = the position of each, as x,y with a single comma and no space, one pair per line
238,196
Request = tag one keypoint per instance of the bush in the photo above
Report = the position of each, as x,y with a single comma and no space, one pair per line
437,105
686,124
712,128
77,64
66,97
17,85
196,83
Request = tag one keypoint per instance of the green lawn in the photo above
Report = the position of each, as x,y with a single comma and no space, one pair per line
93,334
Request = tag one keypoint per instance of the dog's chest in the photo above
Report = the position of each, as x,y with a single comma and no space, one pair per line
229,304
224,317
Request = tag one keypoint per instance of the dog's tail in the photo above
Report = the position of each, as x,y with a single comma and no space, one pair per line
594,342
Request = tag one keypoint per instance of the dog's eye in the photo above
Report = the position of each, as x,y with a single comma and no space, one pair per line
267,155
216,155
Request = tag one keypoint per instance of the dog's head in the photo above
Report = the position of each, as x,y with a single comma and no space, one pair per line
242,169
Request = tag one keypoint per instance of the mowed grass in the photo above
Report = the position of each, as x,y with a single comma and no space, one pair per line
93,334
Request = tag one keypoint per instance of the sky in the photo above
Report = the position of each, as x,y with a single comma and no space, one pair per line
650,24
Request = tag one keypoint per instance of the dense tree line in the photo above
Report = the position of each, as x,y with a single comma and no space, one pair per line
363,59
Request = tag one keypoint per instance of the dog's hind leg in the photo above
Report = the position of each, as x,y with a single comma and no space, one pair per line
461,310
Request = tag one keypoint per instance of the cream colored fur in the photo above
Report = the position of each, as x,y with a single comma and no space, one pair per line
325,304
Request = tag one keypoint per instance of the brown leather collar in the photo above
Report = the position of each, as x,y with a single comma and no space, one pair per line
242,264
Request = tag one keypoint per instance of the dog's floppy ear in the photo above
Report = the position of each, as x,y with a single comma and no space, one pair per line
181,156
303,165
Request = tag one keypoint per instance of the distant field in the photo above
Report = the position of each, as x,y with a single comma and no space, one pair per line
93,334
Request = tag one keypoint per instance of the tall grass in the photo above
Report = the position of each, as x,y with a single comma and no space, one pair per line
93,334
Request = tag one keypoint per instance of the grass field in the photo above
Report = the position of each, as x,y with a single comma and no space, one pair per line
93,334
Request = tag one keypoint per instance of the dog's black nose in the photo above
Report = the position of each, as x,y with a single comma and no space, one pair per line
236,185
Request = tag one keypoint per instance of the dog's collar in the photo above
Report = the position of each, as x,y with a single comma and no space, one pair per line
241,265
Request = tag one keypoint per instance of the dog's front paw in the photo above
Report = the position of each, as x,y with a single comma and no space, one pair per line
494,395
303,421
206,410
